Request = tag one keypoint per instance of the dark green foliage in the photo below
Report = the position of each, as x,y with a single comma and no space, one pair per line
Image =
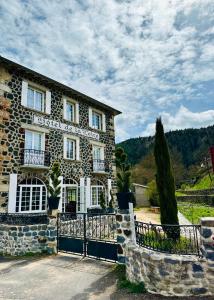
123,171
191,144
164,178
55,189
102,201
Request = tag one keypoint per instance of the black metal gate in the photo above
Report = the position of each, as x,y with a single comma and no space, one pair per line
90,235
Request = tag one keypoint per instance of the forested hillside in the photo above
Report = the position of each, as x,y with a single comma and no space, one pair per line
187,148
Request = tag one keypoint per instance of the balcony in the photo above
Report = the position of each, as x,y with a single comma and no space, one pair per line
98,166
35,158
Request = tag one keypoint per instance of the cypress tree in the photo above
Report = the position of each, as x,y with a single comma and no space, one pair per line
165,182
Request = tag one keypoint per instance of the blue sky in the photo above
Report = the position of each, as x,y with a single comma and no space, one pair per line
145,58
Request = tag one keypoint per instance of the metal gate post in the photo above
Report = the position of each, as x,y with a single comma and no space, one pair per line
84,236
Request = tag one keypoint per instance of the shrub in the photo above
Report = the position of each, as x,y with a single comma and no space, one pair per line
152,193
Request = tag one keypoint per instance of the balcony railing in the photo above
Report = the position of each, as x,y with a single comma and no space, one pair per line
98,165
34,157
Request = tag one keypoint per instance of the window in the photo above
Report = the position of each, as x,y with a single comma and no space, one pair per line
71,147
31,196
98,159
33,140
34,146
97,152
96,120
35,99
96,191
71,110
70,151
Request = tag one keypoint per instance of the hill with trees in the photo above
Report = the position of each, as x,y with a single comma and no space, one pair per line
188,148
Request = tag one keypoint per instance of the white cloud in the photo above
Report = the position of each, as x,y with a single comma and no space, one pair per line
184,118
141,57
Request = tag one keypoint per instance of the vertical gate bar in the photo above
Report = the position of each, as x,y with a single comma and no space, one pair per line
85,239
57,233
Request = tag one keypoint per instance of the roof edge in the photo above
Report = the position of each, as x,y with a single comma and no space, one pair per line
59,84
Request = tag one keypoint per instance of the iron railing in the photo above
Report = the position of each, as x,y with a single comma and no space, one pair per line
95,227
23,219
35,157
98,165
174,239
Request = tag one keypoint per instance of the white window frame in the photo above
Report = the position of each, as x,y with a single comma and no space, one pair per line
36,90
42,139
102,119
31,186
75,104
76,148
96,187
46,96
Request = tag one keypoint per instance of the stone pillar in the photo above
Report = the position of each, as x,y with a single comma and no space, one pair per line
125,232
52,236
207,237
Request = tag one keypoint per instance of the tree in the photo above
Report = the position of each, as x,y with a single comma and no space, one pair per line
55,188
102,200
123,171
165,181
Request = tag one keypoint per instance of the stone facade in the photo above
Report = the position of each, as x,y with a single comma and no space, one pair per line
21,240
14,117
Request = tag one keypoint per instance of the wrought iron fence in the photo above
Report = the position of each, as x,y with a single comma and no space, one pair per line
23,219
174,239
99,165
35,157
97,227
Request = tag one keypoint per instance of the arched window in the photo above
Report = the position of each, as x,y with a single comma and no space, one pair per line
31,196
97,189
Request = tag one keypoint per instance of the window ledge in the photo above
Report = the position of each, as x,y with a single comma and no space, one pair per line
97,130
70,122
72,160
100,172
34,167
36,111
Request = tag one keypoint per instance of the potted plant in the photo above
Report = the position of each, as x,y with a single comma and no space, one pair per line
54,188
124,195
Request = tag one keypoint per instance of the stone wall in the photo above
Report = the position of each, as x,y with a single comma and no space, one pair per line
20,240
167,274
204,199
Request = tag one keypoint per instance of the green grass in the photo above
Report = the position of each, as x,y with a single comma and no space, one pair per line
203,184
123,283
178,194
193,212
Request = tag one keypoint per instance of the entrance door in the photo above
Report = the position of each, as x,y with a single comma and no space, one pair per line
71,199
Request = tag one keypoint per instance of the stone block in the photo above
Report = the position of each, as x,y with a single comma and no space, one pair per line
206,232
198,291
120,239
197,268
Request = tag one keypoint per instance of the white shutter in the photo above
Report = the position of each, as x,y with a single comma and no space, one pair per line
77,112
77,149
65,147
12,193
90,117
48,102
103,122
24,93
64,108
109,190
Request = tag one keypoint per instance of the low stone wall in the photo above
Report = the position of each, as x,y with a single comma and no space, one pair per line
162,273
198,192
169,274
203,199
20,240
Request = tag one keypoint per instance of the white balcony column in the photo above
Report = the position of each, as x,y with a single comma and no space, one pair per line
88,193
82,194
109,189
12,193
60,200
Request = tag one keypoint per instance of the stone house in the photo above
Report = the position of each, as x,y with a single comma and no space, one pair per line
41,121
